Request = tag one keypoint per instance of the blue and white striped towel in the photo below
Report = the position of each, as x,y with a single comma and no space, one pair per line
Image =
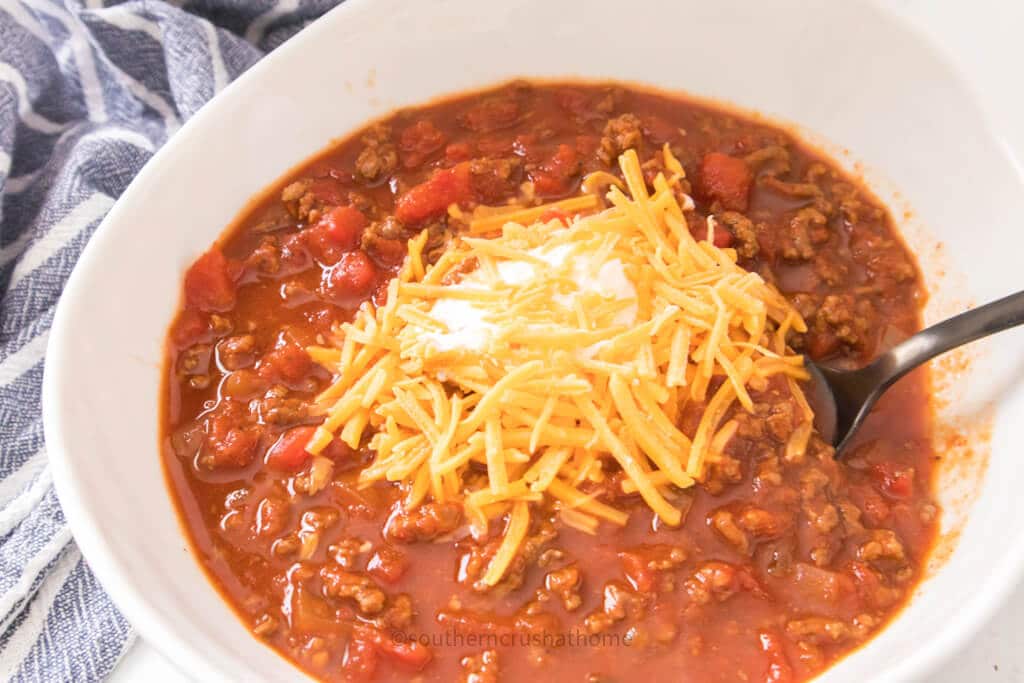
89,89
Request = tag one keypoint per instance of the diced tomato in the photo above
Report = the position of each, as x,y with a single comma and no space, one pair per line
344,225
638,571
432,197
289,451
387,252
779,668
311,615
573,101
658,130
209,285
492,114
229,441
328,191
411,654
865,576
586,145
555,215
458,151
722,238
553,177
321,245
360,660
725,179
419,141
869,585
894,480
496,145
287,361
387,564
344,458
189,328
525,145
354,275
237,448
871,503
817,588
822,344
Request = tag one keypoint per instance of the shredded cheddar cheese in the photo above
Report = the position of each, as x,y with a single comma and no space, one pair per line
521,364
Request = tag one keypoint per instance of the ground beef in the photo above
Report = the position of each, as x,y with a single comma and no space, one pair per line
397,614
762,523
495,179
882,544
348,551
743,232
474,563
722,471
278,408
850,319
565,585
385,240
719,581
481,668
266,258
379,157
831,269
618,603
772,160
339,583
724,522
807,229
423,523
237,352
621,133
774,416
195,360
819,630
493,113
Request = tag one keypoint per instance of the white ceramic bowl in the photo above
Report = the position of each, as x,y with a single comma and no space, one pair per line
850,72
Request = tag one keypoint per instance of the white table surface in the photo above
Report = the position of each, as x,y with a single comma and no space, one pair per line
986,40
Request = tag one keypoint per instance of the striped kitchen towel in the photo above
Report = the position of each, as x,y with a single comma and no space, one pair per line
89,89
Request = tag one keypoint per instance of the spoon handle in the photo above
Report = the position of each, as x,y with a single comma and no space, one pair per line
949,334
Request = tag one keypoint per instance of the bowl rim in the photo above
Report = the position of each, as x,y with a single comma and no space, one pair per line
132,600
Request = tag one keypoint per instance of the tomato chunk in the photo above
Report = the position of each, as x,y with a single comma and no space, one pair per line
229,440
871,503
354,275
555,215
725,179
209,285
893,480
289,451
638,571
189,328
360,660
344,225
387,564
419,141
287,361
409,653
721,237
432,197
554,176
458,151
779,669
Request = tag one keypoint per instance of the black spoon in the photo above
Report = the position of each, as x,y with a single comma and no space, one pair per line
843,398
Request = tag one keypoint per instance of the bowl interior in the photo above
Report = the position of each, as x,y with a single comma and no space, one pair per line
880,90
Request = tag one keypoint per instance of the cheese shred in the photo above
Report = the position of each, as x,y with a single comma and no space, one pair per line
524,366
